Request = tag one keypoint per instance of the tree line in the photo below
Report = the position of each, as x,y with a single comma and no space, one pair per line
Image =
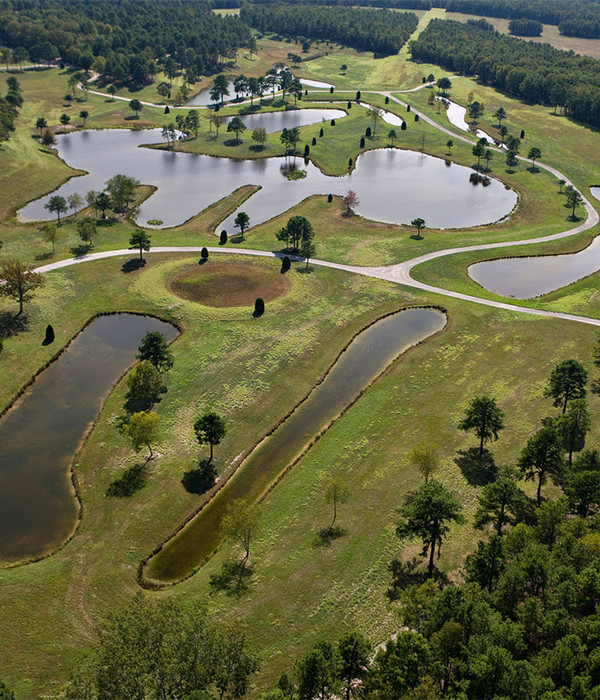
125,42
381,31
536,73
10,104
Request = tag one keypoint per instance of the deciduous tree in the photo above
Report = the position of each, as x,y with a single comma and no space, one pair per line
140,240
542,457
210,429
19,281
485,419
142,429
155,349
242,522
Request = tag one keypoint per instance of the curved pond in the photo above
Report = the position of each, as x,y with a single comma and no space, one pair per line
278,121
595,191
364,359
392,185
42,431
527,277
456,115
319,84
387,117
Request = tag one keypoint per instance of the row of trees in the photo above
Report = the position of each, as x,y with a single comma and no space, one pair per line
383,32
10,104
534,72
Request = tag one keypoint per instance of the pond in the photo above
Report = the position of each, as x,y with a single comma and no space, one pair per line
278,121
595,191
387,117
527,277
456,115
41,433
392,185
365,358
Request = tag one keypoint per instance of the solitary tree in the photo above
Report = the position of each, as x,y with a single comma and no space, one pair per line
307,250
444,85
121,189
103,202
236,125
210,429
500,114
488,155
511,159
86,228
427,515
260,136
18,281
84,114
533,155
350,201
336,492
449,144
485,419
41,124
567,381
573,427
418,224
374,114
112,91
242,221
425,459
574,199
142,429
392,135
144,387
542,456
242,523
141,240
135,106
155,349
479,151
50,233
48,138
475,111
220,88
65,119
502,131
57,205
75,202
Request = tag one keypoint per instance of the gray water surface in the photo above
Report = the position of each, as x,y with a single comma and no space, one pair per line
392,185
278,121
41,432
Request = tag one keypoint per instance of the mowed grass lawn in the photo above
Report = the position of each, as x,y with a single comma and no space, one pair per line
253,371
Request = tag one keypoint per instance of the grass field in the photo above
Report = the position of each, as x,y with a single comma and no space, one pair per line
253,371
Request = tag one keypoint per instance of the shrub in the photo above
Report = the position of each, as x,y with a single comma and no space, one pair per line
333,122
349,162
321,132
368,131
314,141
330,198
204,253
408,108
387,100
49,335
403,127
223,238
306,150
357,95
362,142
416,117
259,306
349,105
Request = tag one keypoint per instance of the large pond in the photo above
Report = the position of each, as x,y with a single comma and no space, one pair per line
203,99
42,431
527,277
392,185
278,121
364,359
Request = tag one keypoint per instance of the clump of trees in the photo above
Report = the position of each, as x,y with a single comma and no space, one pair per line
296,234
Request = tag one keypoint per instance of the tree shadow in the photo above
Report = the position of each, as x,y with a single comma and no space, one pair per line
237,238
233,579
44,256
131,481
135,404
131,117
476,472
410,573
327,535
533,169
232,142
201,479
133,265
305,270
286,264
256,149
416,237
107,221
80,250
12,323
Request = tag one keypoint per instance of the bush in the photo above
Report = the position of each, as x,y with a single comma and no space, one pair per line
49,335
403,127
167,110
416,117
330,198
204,253
331,89
357,95
362,142
259,306
349,105
368,131
306,150
286,263
333,122
321,132
314,141
349,162
223,238
522,134
387,100
408,108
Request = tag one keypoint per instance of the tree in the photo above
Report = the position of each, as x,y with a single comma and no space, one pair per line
307,250
488,155
479,151
500,114
219,89
260,136
102,202
336,492
289,138
57,205
444,85
75,202
374,114
503,131
86,228
141,240
567,381
143,429
350,201
392,135
84,114
511,159
242,221
41,124
582,485
485,419
112,91
135,106
542,456
169,134
64,119
428,513
425,458
486,564
418,224
242,522
144,387
19,282
50,233
355,651
155,349
121,189
533,155
500,503
317,672
513,143
449,144
297,230
217,120
573,426
574,199
475,111
210,429
236,125
399,668
48,139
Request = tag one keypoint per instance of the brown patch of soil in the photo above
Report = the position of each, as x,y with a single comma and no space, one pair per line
222,284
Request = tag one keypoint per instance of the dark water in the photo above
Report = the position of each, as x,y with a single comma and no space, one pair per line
40,434
366,357
392,185
524,278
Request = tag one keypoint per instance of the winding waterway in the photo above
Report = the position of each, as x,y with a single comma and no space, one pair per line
42,431
364,359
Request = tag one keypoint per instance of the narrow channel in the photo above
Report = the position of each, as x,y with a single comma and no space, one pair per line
362,362
40,434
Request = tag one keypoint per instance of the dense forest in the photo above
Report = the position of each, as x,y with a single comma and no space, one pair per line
123,41
379,31
525,27
536,73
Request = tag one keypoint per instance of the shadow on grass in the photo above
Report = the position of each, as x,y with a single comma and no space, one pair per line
233,579
237,238
328,535
477,472
44,256
11,324
80,250
133,265
131,481
305,270
416,237
232,142
256,149
410,573
201,479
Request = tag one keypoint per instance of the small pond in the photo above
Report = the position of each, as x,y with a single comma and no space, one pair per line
42,431
278,121
595,191
527,277
392,185
456,115
387,117
365,358
316,84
